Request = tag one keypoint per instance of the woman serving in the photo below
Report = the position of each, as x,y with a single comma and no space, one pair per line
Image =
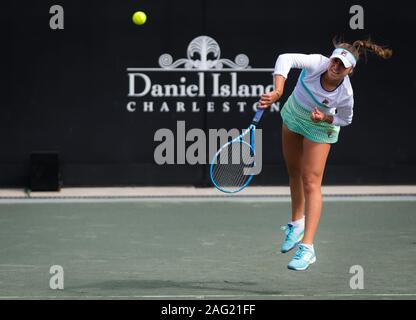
320,104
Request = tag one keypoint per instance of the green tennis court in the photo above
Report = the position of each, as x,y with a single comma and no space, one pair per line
203,248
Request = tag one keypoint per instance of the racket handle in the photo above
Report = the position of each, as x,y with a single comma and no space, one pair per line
257,116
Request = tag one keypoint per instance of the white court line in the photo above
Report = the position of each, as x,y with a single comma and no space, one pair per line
177,199
209,296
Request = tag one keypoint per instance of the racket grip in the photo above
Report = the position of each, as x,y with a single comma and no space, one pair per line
257,116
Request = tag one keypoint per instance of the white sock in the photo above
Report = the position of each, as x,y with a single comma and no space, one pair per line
299,225
308,246
300,222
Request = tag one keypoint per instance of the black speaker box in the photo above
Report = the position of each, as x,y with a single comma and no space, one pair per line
45,172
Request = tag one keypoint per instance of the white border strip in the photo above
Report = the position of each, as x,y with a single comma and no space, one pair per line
176,199
219,296
189,191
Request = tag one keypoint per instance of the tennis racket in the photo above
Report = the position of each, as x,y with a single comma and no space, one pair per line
231,165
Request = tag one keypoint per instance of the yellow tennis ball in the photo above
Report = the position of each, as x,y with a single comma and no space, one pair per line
139,18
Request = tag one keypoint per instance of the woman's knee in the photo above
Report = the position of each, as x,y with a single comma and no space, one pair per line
311,182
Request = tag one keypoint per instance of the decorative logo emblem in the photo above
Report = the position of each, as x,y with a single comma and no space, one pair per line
202,81
344,53
203,53
325,101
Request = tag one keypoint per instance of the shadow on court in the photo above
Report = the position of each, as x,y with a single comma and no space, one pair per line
203,249
196,287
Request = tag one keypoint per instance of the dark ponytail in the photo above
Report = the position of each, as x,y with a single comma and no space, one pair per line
366,45
361,47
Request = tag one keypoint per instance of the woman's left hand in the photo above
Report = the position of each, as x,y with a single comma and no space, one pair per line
317,115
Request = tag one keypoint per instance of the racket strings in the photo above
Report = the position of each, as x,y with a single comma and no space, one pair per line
231,162
236,177
244,164
224,171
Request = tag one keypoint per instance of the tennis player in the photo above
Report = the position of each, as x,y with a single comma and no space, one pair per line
320,104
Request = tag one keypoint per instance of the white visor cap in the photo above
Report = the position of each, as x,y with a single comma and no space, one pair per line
345,56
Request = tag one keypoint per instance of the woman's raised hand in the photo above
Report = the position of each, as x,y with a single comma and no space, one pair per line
268,98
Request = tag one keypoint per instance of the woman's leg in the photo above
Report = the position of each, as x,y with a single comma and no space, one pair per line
292,144
313,166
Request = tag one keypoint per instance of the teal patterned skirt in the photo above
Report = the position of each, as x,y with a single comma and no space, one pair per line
298,120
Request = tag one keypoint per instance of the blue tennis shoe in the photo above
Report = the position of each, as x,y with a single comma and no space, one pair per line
303,258
292,239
